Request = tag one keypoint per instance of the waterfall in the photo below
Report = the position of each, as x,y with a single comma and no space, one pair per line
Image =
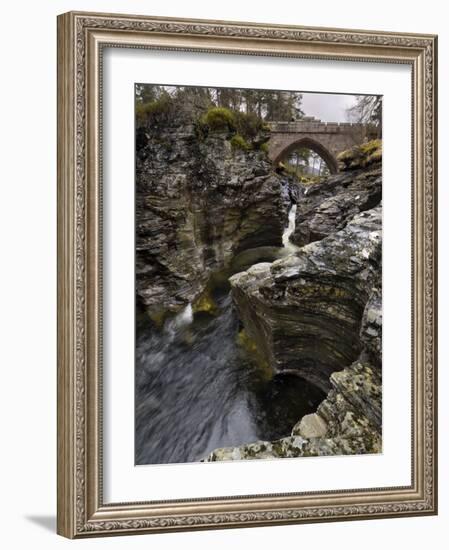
182,319
289,230
185,317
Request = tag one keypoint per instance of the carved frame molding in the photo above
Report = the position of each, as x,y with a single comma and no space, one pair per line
81,38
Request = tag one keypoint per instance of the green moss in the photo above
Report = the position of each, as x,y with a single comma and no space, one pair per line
264,147
310,180
302,178
252,349
153,109
249,130
277,447
362,155
371,146
239,142
346,155
375,156
219,119
205,303
248,125
246,341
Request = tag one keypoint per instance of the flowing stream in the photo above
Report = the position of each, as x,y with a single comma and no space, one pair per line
199,387
290,229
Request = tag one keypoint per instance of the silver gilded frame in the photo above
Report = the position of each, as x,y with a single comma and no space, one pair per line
81,39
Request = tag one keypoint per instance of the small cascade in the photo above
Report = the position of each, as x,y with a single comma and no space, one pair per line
181,320
185,317
289,230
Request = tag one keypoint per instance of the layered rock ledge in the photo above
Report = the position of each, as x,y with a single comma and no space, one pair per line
347,422
203,204
327,207
313,313
305,311
200,201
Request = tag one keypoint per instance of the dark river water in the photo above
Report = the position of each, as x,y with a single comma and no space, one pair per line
199,388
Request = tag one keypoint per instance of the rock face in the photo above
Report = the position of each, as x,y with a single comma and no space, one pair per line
200,201
348,421
305,311
371,332
342,425
318,312
326,208
203,204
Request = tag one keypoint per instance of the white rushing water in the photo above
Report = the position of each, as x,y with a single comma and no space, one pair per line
182,319
288,232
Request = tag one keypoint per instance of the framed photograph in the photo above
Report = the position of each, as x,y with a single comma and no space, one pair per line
246,274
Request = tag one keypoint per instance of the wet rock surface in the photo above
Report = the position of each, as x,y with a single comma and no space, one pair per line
348,421
319,312
371,332
305,310
327,207
199,202
205,207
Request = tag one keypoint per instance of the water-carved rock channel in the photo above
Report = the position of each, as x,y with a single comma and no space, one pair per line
200,385
259,310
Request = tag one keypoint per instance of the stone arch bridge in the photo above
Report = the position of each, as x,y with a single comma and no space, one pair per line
327,139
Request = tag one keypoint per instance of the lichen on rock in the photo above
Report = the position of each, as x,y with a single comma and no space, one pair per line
361,156
348,421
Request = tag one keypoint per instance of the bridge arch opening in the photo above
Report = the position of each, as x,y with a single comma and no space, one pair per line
311,145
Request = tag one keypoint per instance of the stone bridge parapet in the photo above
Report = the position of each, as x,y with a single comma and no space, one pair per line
327,139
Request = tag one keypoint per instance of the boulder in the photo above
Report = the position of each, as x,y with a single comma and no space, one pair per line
311,425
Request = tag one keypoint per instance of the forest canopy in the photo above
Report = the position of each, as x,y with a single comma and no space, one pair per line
263,104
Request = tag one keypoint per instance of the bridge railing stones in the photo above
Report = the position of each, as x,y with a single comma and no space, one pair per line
308,126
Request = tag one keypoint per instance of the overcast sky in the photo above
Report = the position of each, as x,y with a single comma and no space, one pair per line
327,107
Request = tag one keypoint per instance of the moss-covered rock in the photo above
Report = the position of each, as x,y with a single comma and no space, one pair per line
305,317
153,110
361,156
219,119
264,147
239,142
205,303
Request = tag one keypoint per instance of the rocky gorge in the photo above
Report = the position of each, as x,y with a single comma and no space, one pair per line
267,289
199,202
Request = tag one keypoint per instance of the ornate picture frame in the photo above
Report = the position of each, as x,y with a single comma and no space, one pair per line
82,38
